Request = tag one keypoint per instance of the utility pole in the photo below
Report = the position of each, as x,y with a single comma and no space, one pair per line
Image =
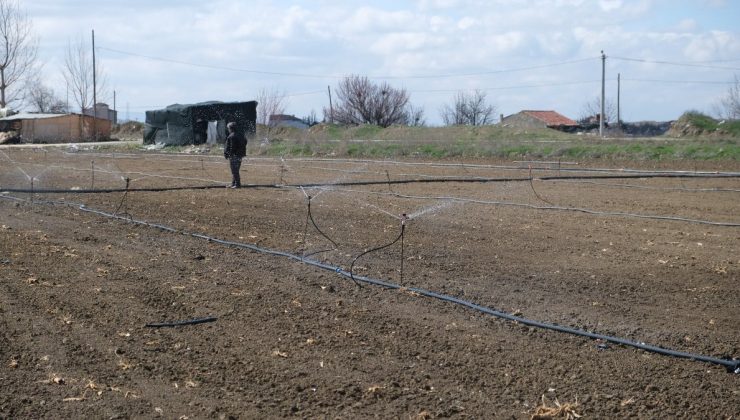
331,108
619,88
603,90
95,97
115,120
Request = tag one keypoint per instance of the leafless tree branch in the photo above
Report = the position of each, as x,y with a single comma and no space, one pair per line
360,101
729,106
18,49
41,98
468,109
78,73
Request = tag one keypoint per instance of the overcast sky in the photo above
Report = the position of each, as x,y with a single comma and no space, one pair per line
673,55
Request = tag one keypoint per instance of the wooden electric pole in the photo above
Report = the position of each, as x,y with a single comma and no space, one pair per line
331,108
619,114
95,90
603,90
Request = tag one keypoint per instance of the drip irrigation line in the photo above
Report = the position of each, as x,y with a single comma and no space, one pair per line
647,187
554,208
531,185
393,162
118,173
410,181
310,215
509,167
123,198
732,365
181,323
400,237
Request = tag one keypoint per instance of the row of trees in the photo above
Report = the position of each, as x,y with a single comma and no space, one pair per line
358,100
20,80
361,101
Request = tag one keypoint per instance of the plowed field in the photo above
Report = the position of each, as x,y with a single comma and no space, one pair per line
648,259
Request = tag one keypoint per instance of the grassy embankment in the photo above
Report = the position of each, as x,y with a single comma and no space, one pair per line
694,137
492,141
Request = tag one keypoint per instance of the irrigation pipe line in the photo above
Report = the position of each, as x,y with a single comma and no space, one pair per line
400,163
555,208
121,173
309,216
649,174
731,365
181,323
400,237
430,164
647,187
325,187
481,166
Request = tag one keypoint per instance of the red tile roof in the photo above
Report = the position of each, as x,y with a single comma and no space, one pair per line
551,118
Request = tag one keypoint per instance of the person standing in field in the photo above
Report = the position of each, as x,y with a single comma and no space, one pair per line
235,149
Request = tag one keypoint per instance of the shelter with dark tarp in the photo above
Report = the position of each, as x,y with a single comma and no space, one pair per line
199,123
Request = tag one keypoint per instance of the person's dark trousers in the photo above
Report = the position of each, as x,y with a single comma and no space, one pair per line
235,163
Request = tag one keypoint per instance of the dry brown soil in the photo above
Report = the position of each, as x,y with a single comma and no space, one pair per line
292,340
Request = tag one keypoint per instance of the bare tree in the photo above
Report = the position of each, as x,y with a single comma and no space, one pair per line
360,101
729,106
311,119
42,98
415,116
270,102
592,109
468,109
18,48
78,73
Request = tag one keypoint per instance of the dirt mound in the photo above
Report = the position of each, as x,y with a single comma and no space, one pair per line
128,130
694,124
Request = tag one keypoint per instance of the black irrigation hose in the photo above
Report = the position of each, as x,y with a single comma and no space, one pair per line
181,323
385,182
730,365
400,237
531,185
124,197
310,215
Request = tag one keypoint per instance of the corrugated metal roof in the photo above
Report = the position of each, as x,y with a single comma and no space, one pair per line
551,118
31,116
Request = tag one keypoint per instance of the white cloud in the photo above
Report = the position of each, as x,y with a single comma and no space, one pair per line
610,5
687,25
416,38
713,45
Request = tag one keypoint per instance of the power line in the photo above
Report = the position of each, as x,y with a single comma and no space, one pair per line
317,76
674,63
482,73
208,66
704,82
508,87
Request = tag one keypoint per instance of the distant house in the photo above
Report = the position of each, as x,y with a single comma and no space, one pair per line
103,111
539,119
282,120
55,128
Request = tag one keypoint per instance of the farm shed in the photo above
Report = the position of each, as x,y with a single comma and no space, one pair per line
538,119
55,128
198,123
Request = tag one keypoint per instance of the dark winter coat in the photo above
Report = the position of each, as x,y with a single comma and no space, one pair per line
235,146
